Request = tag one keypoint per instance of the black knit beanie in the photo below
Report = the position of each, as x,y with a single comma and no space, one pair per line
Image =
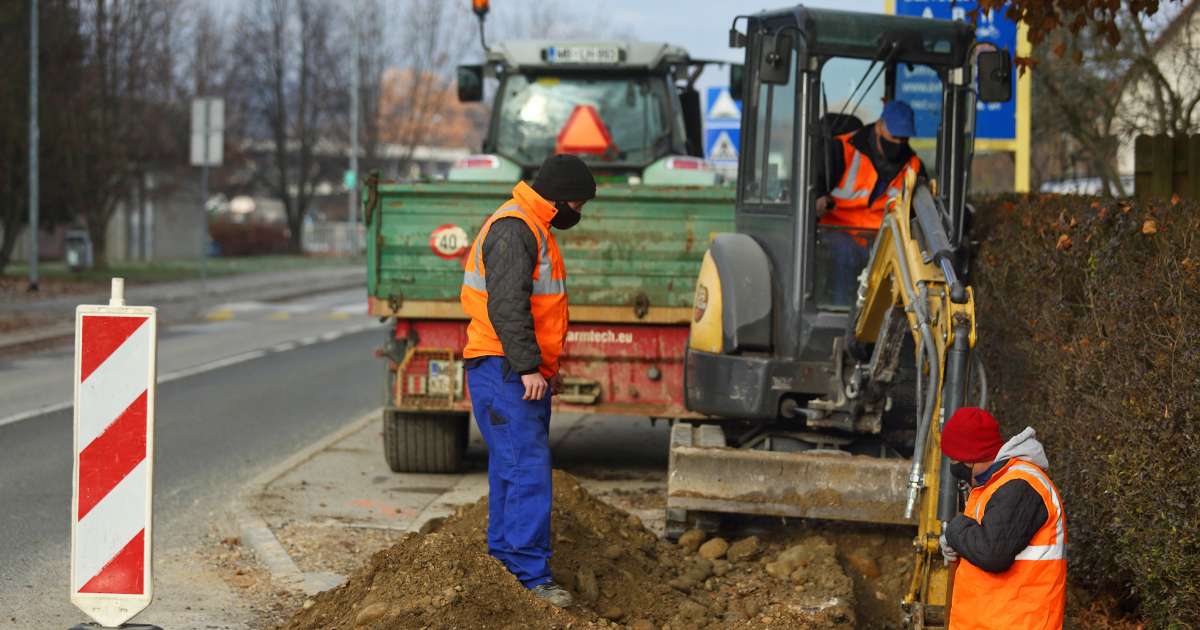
564,177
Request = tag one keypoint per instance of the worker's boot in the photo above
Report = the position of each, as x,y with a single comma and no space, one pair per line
554,594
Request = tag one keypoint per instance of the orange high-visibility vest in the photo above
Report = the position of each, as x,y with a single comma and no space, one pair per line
852,205
1032,593
549,300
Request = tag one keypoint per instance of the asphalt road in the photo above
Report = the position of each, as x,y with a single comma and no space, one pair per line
242,392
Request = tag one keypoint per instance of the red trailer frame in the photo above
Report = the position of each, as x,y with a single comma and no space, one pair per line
619,369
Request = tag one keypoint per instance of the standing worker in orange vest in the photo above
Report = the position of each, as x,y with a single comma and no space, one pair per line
867,168
514,291
1011,537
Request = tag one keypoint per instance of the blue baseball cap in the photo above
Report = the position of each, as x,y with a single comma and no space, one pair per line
898,117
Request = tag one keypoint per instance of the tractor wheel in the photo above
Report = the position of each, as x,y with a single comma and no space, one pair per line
424,443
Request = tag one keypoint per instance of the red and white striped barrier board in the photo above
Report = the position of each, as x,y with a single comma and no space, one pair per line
115,348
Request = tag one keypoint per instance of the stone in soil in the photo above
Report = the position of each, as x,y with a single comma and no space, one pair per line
743,549
713,549
585,583
691,539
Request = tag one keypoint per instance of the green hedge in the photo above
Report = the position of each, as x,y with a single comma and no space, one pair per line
1089,324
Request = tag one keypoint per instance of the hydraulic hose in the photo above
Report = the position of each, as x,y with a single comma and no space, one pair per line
928,408
983,384
920,306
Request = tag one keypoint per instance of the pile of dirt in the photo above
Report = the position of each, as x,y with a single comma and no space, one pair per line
620,573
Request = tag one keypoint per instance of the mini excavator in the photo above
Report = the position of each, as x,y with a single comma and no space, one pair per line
822,404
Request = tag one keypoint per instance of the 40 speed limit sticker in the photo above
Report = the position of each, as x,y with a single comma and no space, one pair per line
449,241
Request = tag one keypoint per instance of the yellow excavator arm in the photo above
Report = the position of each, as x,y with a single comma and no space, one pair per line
906,274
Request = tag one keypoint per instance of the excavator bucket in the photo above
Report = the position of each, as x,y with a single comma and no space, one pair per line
706,476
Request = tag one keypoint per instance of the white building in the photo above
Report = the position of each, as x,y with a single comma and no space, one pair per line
1175,54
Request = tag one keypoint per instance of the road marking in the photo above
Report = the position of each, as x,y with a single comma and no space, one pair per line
219,315
353,308
279,316
33,413
204,367
213,365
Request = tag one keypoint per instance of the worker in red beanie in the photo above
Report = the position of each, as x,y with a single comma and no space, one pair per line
1011,537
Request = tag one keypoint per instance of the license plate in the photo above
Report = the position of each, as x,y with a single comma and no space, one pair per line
445,378
583,54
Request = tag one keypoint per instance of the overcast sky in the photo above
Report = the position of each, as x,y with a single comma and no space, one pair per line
702,26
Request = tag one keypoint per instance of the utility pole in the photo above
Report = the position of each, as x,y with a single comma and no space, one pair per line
354,83
208,129
204,211
34,139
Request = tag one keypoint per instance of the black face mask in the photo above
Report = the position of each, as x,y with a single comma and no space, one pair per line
566,217
893,151
961,472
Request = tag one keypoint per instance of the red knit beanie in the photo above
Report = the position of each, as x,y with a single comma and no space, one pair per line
971,436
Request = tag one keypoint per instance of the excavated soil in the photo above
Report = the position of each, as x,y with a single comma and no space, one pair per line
620,573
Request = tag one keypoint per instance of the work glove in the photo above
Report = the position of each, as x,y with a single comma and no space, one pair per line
948,552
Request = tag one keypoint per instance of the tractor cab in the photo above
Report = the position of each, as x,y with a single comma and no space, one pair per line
812,78
628,109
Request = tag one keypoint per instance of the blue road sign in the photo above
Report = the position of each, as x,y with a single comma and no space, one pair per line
720,109
721,145
922,89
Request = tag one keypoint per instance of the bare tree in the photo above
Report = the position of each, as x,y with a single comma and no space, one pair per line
14,134
433,34
1091,95
120,112
288,92
207,64
1162,86
1075,114
375,52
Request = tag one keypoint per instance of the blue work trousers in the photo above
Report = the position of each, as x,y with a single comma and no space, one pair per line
849,258
517,433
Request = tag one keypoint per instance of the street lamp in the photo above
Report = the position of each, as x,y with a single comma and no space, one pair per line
354,83
34,134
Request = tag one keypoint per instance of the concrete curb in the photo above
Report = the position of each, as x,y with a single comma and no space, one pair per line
469,489
257,535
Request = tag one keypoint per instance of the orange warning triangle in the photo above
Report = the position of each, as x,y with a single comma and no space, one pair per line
584,133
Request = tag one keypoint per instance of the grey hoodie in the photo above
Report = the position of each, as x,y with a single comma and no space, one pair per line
1025,445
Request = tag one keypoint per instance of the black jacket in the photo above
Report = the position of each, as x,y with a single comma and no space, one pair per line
509,256
1013,514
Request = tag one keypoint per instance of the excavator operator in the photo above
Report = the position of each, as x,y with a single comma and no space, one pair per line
867,168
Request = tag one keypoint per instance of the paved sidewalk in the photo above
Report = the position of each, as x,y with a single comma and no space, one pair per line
315,518
181,301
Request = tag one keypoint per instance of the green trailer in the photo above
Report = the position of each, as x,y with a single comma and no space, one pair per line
631,269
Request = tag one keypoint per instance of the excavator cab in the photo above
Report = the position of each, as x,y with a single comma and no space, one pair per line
825,357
